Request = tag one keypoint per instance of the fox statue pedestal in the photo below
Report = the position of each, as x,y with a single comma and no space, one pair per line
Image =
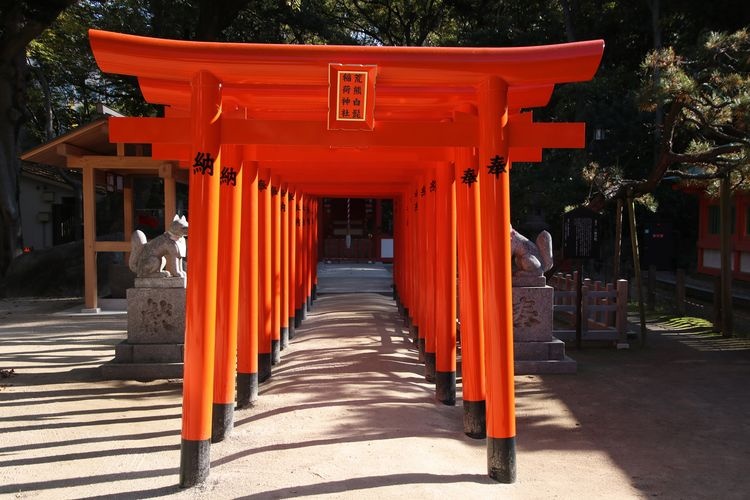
156,332
535,349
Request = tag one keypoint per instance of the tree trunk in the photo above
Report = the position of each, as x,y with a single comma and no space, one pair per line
21,22
12,75
637,266
655,7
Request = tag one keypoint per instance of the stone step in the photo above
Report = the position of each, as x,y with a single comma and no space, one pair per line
141,371
127,352
530,351
552,366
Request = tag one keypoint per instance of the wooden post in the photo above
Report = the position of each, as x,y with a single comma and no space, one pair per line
310,260
247,323
127,211
583,317
579,319
725,210
621,319
618,241
91,298
637,266
200,304
166,172
299,266
293,260
421,282
265,258
431,270
445,287
314,245
680,292
284,277
228,283
470,304
275,270
651,291
496,279
611,316
718,306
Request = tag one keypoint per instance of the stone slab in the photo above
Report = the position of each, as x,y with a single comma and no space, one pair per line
156,315
532,313
123,352
536,351
171,282
562,366
141,371
158,353
525,281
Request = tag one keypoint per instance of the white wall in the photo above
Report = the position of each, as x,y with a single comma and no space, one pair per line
33,201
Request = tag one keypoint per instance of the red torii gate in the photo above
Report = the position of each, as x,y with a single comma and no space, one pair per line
262,128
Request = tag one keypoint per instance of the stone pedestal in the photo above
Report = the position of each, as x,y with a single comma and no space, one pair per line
156,332
535,349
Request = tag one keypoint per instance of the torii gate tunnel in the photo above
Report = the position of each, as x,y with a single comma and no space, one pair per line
267,130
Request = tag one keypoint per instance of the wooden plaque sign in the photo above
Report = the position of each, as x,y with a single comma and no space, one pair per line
351,97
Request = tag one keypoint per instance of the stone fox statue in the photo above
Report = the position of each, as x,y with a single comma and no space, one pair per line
531,259
162,256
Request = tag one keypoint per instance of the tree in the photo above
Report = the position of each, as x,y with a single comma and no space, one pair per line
22,22
705,134
706,101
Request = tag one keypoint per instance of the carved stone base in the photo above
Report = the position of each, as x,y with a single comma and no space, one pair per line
156,315
535,349
156,332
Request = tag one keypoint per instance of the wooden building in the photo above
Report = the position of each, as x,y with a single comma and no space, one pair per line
107,167
709,255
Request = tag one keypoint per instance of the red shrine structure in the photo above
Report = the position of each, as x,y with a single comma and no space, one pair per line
267,131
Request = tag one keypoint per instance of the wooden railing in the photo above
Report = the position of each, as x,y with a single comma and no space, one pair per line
603,309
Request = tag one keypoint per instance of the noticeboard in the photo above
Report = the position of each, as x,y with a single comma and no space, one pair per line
581,234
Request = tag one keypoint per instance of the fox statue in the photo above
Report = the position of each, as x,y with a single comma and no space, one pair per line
531,259
162,256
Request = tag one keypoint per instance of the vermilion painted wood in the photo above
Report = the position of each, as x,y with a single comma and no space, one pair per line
172,60
266,264
299,298
284,217
470,277
496,265
293,254
200,303
309,247
431,225
247,342
230,234
445,272
275,257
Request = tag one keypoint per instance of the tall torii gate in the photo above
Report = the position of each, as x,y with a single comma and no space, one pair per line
434,128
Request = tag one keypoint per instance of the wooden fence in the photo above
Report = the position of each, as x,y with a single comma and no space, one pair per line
603,309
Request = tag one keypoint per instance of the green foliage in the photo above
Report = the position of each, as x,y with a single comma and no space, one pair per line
709,80
707,95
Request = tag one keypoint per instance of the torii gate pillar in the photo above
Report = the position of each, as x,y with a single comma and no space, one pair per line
200,316
496,274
